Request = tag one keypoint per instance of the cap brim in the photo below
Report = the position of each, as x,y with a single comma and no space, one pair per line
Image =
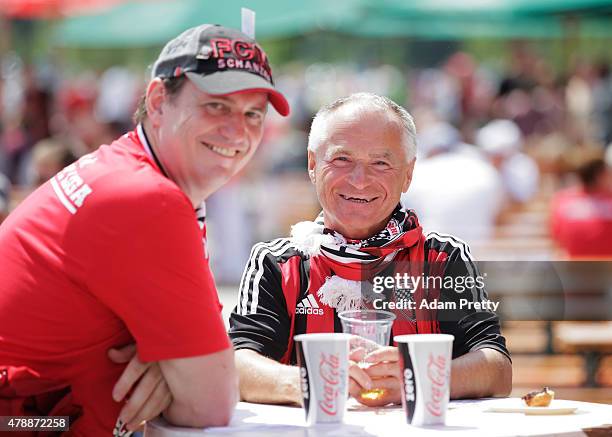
231,82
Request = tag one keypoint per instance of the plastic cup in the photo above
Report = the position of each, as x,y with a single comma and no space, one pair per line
373,330
425,360
323,362
373,325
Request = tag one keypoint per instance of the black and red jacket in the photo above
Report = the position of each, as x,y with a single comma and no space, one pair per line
278,299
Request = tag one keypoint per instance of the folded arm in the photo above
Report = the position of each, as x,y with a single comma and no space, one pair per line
199,391
204,389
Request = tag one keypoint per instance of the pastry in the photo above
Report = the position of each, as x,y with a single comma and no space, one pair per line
539,398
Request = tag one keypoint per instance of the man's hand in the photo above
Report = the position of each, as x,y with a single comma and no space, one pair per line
150,393
384,372
359,380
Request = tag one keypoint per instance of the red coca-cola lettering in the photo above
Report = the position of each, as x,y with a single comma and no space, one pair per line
329,369
436,373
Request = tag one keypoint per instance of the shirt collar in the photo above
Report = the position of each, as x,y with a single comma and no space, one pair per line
142,136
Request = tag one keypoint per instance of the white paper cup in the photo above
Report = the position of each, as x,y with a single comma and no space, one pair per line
425,360
323,362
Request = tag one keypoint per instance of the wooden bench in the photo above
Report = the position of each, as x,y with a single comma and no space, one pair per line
548,370
526,337
591,339
604,374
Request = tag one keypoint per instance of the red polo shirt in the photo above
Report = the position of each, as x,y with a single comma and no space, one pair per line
581,223
106,253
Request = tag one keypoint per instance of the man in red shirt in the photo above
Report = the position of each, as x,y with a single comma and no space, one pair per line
581,217
109,251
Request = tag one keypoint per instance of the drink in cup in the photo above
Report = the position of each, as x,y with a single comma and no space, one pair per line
425,361
323,363
373,328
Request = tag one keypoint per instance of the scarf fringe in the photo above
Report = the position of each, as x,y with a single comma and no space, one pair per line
353,259
341,294
308,237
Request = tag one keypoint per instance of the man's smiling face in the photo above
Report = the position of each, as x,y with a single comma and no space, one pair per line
203,139
360,169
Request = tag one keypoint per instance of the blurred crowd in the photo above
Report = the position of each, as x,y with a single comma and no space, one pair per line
495,138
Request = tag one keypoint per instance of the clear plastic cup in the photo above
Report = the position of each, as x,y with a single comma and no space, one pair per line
373,330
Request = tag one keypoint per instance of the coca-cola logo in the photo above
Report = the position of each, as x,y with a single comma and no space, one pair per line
329,370
438,376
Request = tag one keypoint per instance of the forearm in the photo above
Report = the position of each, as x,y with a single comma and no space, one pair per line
264,380
481,373
216,413
204,389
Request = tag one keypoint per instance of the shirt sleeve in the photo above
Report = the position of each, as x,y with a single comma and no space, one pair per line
147,265
471,320
260,321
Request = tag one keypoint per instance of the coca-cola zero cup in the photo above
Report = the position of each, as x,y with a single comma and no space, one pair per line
323,362
425,361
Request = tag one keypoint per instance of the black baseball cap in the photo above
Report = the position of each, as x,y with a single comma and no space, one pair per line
219,61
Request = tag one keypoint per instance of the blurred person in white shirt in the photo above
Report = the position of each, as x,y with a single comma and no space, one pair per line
453,187
502,142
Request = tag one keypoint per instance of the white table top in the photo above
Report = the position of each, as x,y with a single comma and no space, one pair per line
464,418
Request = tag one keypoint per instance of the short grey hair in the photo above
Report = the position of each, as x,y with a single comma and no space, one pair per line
318,129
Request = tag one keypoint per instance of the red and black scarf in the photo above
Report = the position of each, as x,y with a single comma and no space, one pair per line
399,248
